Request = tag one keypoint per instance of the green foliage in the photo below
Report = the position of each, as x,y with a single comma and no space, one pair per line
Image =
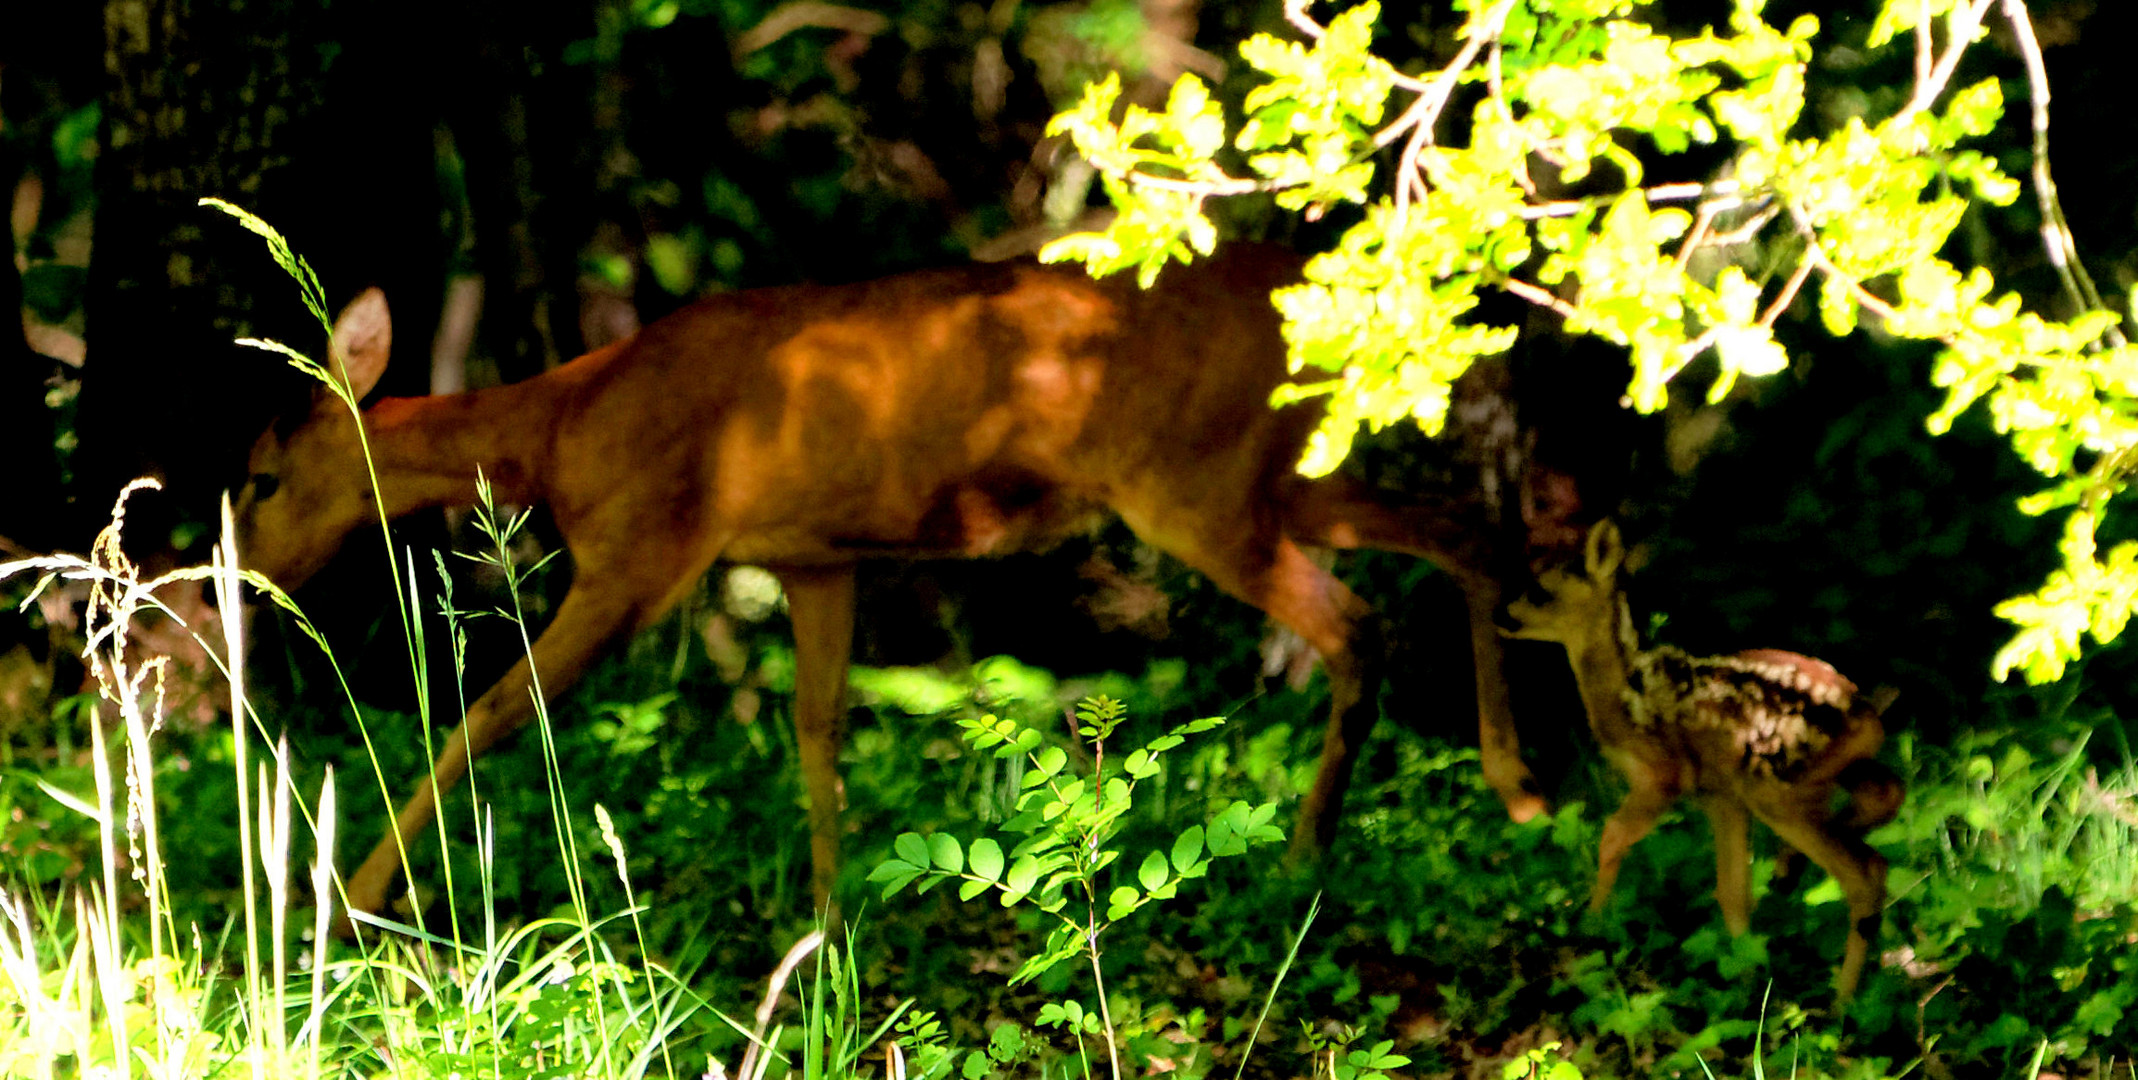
308,287
1337,1058
920,1034
1539,1064
2020,860
2012,907
91,991
1066,823
1304,125
1160,223
1866,206
2011,899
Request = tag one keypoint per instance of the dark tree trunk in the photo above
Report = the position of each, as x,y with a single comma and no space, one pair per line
199,101
320,119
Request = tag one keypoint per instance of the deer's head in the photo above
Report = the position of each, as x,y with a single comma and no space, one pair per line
1575,607
306,486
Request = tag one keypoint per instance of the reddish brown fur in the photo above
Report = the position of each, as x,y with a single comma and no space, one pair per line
1765,733
948,413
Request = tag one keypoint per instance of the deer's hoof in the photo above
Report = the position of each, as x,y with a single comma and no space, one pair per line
1526,806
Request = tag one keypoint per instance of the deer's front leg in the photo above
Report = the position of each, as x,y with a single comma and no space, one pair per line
1337,511
1634,819
586,622
820,601
1499,745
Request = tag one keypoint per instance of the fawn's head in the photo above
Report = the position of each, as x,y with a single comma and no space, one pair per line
306,485
1575,609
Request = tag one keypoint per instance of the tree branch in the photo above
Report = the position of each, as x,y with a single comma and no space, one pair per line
1744,233
1788,295
1427,108
1231,185
1295,12
1724,194
1923,45
1960,33
2056,235
1538,296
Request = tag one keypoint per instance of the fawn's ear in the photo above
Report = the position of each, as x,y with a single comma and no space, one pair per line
1605,550
363,337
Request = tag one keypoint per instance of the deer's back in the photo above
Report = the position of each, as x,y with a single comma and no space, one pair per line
968,410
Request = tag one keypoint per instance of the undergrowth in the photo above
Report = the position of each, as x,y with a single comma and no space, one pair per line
166,907
1455,935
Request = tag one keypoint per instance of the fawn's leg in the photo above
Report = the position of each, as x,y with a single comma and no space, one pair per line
1874,791
820,602
1860,871
1874,796
1733,860
1633,820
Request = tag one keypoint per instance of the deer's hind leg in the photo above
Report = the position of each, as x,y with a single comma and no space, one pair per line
1451,534
1348,634
1860,871
1271,573
820,601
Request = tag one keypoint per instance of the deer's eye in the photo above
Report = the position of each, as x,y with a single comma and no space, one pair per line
264,485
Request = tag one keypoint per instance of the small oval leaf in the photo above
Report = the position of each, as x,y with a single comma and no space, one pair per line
1187,849
1024,873
1050,760
1153,871
912,848
944,850
1121,902
985,857
894,882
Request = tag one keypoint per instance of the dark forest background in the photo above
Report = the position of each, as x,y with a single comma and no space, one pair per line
530,180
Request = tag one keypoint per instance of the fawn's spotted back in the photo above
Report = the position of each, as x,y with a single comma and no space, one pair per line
1784,709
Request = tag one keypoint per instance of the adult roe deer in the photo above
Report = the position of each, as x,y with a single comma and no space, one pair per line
1767,732
960,412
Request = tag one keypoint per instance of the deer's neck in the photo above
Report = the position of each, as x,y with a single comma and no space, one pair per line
1602,670
427,449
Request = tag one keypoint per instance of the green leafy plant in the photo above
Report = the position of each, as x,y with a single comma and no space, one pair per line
1540,1063
1338,1057
1062,848
1858,209
922,1046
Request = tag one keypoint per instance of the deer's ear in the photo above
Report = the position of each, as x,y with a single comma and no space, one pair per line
363,337
1605,550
